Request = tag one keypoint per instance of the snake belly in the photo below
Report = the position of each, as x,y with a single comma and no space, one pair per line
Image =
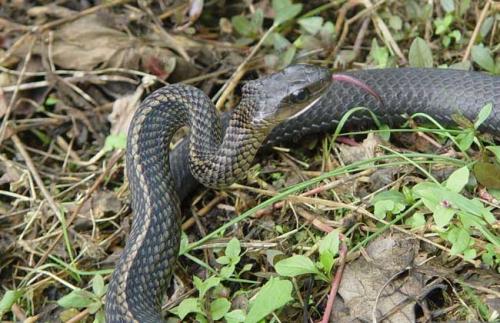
141,276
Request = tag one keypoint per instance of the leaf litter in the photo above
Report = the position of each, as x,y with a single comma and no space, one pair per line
76,84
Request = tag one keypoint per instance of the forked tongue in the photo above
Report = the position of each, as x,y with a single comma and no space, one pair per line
356,82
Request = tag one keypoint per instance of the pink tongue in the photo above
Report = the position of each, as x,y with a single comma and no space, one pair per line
356,82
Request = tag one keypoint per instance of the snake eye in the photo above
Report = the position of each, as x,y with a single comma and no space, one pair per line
300,95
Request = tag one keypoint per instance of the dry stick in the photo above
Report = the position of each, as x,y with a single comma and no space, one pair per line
335,283
313,191
169,39
31,167
114,158
387,36
347,24
476,30
202,212
240,71
13,99
79,317
83,13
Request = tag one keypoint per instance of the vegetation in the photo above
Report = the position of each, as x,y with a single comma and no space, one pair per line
270,249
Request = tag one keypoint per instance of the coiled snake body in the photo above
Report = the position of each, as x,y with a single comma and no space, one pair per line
282,107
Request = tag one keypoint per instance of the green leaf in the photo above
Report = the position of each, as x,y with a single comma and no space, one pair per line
51,101
100,317
94,307
417,220
464,66
187,306
457,180
489,256
486,26
184,243
78,298
460,239
311,24
483,115
388,201
227,271
455,34
98,286
495,150
236,316
280,43
379,54
204,286
233,249
395,22
482,56
273,295
223,260
200,318
284,10
433,196
327,32
115,142
219,308
327,260
443,25
287,57
487,174
257,20
443,215
465,139
382,207
420,54
9,298
242,25
448,5
295,266
330,243
470,254
385,133
470,220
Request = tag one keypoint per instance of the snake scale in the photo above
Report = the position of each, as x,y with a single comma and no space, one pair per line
279,108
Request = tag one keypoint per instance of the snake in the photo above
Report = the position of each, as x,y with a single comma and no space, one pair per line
279,108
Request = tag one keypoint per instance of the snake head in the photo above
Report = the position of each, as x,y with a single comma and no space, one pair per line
285,94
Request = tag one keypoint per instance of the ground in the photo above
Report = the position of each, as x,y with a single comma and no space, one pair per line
362,203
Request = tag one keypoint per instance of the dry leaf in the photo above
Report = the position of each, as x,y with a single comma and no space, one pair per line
364,279
366,150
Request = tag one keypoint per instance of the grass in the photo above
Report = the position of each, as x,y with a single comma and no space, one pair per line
64,210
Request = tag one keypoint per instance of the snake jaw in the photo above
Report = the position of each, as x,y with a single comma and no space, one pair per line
307,108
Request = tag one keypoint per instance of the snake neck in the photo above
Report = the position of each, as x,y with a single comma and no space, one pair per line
142,274
218,163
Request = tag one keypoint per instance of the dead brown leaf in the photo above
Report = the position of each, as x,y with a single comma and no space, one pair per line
88,42
370,281
365,150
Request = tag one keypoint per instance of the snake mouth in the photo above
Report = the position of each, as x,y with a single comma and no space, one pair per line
307,108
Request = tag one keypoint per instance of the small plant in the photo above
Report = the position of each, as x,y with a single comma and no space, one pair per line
273,295
81,299
454,215
300,265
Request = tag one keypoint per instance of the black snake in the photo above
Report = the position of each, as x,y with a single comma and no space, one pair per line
282,107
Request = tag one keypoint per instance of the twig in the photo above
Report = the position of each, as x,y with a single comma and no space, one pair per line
336,282
13,99
31,167
240,71
476,31
114,158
